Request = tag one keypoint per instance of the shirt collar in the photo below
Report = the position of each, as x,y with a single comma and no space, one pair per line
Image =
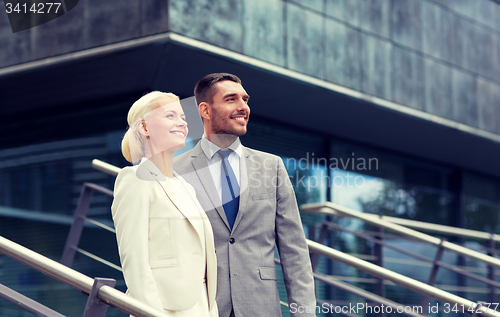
211,149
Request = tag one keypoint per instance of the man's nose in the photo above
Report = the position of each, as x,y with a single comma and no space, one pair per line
243,105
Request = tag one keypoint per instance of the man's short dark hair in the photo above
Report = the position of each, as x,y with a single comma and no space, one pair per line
204,91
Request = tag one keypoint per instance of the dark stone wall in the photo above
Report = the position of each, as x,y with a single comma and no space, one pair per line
438,56
91,23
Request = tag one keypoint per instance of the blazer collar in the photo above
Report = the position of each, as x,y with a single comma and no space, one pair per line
245,177
205,177
210,149
200,166
147,170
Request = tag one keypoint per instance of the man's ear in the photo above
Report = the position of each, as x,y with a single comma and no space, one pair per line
205,111
141,127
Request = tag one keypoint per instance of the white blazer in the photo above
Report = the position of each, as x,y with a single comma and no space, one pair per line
160,245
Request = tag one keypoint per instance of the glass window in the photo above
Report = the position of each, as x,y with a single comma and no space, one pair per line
375,182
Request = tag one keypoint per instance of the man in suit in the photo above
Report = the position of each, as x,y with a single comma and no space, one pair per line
251,205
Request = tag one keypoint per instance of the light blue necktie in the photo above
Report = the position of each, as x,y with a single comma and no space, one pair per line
230,188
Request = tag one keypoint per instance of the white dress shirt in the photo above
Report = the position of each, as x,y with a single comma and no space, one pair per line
215,162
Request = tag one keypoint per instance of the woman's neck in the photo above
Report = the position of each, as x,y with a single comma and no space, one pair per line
163,161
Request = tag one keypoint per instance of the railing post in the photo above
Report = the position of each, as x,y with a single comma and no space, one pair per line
322,236
76,228
491,269
379,260
96,307
434,271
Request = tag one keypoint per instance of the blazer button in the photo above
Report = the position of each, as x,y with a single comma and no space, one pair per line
232,240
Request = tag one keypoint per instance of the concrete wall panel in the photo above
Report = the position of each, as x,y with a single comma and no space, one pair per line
406,23
463,39
215,22
463,7
345,10
464,98
342,55
407,78
375,17
376,67
263,23
305,45
183,18
110,21
438,89
316,5
485,59
154,16
436,31
62,35
488,101
15,47
486,12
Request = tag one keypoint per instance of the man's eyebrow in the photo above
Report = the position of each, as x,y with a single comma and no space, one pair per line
235,94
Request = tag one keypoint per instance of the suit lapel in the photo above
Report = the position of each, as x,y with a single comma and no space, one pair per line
244,185
203,173
148,171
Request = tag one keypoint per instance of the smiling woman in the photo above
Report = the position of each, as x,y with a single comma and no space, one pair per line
145,118
165,240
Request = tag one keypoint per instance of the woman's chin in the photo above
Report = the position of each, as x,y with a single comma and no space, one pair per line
180,146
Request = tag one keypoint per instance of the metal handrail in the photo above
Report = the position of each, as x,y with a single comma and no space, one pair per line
450,267
105,167
419,225
81,282
329,208
373,269
332,281
396,278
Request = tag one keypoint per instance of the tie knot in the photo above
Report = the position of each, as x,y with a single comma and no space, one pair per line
224,153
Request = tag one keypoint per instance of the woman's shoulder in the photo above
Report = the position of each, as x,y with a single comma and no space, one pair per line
127,171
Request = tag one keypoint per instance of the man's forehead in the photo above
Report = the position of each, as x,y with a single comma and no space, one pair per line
229,87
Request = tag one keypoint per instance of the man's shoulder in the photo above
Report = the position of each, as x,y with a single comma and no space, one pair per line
184,156
259,154
182,162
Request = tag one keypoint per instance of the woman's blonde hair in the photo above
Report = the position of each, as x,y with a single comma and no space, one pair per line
133,140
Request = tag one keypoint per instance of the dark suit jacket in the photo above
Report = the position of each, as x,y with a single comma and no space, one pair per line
268,215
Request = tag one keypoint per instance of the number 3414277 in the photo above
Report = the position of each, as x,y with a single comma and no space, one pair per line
35,8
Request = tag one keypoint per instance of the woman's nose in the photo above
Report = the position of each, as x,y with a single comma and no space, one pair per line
182,123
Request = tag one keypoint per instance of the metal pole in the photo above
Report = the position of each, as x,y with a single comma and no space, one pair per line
396,278
434,271
76,279
326,208
75,231
26,303
379,260
491,271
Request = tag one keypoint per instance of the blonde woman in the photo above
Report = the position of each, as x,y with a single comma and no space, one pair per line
164,237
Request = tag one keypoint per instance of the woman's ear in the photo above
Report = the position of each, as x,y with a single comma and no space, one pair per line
141,127
205,111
